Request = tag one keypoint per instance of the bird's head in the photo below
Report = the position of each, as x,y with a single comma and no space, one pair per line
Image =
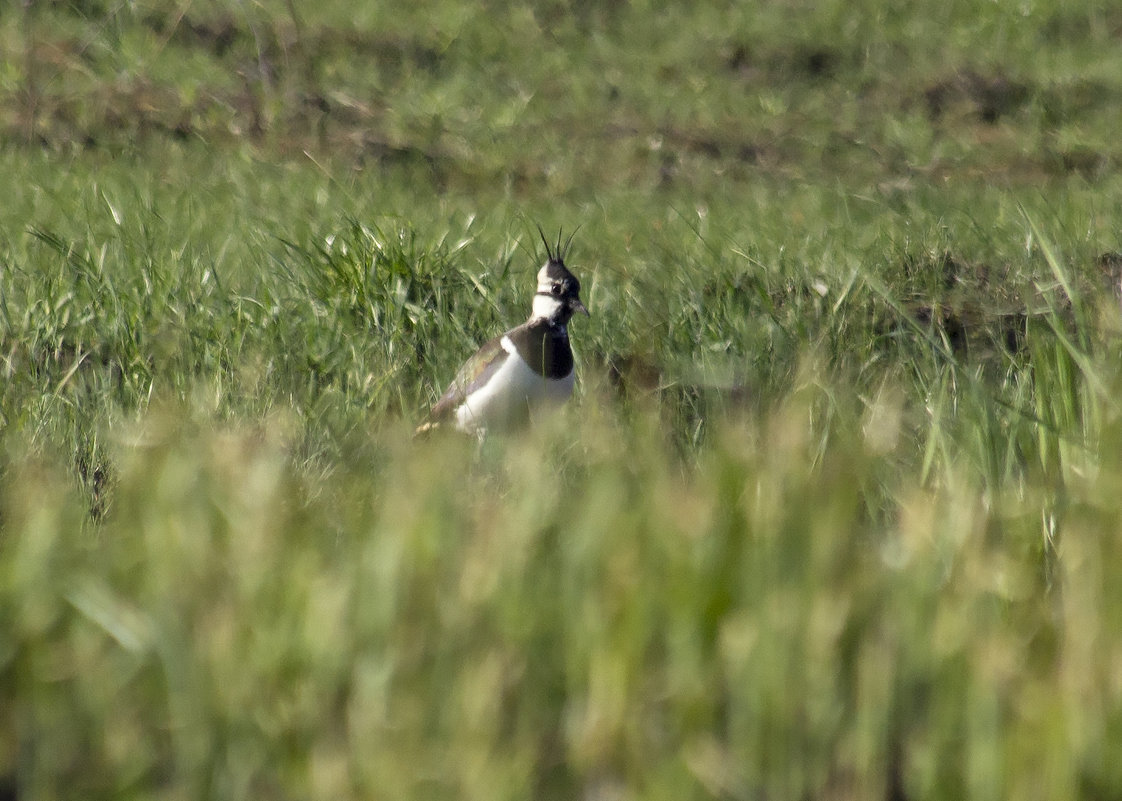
558,295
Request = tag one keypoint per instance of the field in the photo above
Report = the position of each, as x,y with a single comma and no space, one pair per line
834,514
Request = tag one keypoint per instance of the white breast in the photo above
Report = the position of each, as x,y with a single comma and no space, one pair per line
512,389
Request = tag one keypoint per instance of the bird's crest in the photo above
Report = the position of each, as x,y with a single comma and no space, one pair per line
558,252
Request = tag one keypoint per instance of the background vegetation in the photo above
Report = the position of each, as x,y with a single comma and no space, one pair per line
834,515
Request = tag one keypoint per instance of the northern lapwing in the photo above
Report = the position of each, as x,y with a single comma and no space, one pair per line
526,369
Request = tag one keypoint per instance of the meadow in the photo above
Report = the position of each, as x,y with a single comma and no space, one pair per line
834,513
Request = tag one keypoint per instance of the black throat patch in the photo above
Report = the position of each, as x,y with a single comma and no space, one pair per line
545,347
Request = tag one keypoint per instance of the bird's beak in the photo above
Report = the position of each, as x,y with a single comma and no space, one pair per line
579,307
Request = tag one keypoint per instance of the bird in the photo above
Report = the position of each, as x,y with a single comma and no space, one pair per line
527,369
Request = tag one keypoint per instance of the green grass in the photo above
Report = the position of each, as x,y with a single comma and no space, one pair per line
833,514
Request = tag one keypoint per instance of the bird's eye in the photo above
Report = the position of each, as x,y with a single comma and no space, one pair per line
555,289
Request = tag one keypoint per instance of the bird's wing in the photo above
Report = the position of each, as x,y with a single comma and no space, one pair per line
471,377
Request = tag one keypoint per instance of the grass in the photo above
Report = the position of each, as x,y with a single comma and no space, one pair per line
833,514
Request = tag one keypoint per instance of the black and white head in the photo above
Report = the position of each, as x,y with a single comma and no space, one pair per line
558,295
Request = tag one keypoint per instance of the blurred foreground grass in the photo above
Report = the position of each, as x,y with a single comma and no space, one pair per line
564,616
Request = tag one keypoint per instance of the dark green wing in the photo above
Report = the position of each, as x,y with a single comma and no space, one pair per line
471,377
